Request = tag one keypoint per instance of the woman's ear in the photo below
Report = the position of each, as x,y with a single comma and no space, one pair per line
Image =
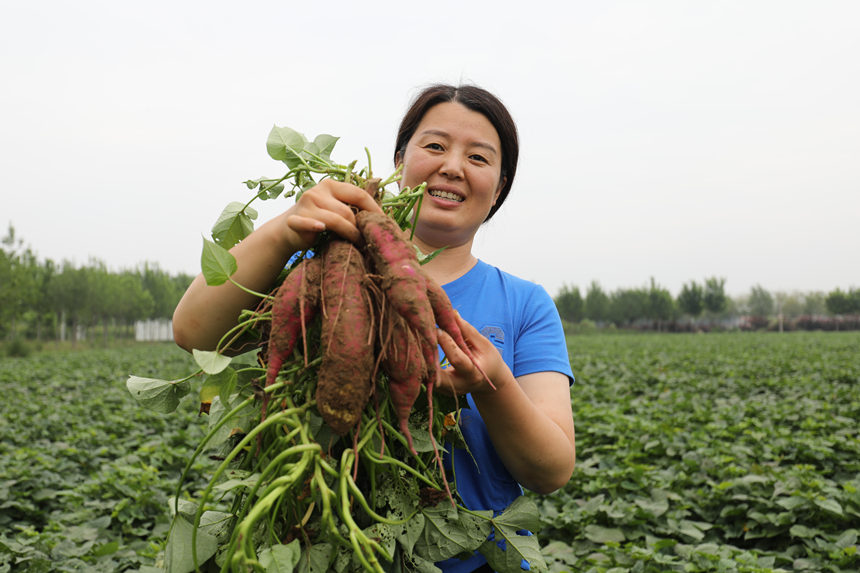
499,189
398,158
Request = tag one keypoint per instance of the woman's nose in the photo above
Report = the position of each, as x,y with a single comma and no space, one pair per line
452,166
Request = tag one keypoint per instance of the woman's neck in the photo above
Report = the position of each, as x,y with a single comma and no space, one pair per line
449,265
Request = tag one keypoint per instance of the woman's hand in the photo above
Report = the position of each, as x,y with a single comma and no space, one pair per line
326,206
528,418
206,312
462,376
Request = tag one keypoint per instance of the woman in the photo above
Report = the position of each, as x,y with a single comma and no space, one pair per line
463,143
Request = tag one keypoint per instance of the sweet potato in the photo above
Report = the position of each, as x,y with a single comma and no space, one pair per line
295,305
416,297
447,321
344,382
403,362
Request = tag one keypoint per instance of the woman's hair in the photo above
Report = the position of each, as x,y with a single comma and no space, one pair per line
476,99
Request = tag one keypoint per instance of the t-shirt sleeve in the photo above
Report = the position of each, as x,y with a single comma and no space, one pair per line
541,345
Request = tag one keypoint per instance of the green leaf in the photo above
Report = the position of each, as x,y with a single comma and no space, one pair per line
234,224
691,529
326,144
847,539
241,421
217,263
178,555
319,559
655,508
521,514
802,531
448,532
226,382
791,503
285,144
210,361
281,558
106,549
830,505
159,395
603,535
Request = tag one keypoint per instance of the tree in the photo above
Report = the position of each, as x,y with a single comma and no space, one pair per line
661,306
760,302
690,299
813,304
596,303
714,296
570,304
842,303
628,305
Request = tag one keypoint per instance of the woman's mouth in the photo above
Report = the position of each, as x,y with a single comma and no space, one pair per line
445,195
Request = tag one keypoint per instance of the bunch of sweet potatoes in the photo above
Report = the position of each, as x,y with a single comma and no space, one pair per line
378,310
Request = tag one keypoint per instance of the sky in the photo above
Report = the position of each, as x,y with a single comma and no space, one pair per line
677,140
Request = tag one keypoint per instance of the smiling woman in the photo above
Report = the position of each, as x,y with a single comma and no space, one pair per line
516,420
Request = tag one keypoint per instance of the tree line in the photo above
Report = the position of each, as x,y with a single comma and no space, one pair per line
705,305
43,299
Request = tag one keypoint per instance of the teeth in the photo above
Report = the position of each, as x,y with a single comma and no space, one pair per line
445,195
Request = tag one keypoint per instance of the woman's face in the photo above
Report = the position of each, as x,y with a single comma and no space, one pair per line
458,153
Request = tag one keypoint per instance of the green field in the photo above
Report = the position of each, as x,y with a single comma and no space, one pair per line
718,452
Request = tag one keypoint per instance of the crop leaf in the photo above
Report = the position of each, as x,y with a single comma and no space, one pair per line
159,395
325,143
318,559
508,547
178,556
234,224
210,361
448,532
216,263
285,144
603,535
281,558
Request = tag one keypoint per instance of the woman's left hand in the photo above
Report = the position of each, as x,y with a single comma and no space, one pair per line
462,376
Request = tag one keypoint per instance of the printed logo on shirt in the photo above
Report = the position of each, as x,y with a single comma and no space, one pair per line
495,334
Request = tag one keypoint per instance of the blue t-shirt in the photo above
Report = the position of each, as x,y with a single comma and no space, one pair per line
521,319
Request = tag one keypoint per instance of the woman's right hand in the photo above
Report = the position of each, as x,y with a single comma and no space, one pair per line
206,312
326,206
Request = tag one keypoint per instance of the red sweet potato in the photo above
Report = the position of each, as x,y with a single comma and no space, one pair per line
415,296
447,321
403,362
345,375
403,281
295,305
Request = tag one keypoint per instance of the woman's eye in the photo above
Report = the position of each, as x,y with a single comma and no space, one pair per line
434,146
481,158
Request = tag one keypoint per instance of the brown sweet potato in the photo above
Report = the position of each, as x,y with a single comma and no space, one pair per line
344,383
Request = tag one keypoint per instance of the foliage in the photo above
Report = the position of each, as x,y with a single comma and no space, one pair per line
840,303
731,452
596,303
714,296
691,299
569,303
726,452
36,297
760,302
85,473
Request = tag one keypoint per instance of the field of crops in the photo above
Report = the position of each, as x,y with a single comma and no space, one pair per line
729,452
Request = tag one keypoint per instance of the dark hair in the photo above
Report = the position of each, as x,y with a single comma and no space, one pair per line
476,99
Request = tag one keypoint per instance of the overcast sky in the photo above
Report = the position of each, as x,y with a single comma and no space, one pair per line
670,139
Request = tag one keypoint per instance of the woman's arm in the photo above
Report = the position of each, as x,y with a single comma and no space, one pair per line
529,419
206,313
